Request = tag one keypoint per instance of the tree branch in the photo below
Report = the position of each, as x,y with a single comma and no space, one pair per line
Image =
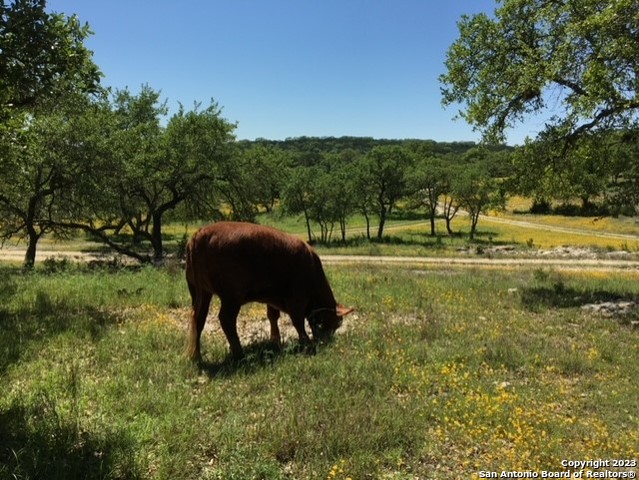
602,115
101,234
571,85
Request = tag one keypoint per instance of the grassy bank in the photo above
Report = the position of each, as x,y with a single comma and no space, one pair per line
441,374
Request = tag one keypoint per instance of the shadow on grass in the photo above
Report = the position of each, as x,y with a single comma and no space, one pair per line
362,241
558,295
257,356
37,441
44,318
417,238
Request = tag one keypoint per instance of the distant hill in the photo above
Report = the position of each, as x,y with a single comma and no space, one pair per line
322,145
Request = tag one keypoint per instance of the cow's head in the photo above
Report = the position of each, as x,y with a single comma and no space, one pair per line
324,321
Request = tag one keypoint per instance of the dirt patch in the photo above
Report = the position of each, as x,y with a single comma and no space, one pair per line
625,311
617,308
252,324
563,252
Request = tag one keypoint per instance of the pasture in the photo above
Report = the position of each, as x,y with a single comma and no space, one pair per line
442,373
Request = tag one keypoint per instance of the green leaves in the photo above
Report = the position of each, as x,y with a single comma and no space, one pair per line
42,56
109,167
44,69
579,55
572,60
155,169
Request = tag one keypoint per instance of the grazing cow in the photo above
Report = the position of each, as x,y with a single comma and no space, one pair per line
244,262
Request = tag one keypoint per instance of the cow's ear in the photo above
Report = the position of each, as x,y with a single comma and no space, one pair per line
343,311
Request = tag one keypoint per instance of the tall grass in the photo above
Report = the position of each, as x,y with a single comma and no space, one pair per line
441,373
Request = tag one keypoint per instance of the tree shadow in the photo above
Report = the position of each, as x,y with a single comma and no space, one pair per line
362,240
37,441
42,319
558,295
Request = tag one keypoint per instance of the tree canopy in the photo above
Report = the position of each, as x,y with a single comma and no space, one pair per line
42,56
575,60
150,171
45,74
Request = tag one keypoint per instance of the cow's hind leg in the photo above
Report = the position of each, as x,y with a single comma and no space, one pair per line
273,315
228,321
200,300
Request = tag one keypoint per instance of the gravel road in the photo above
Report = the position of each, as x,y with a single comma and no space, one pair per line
16,255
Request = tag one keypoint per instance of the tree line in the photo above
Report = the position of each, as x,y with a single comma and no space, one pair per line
373,184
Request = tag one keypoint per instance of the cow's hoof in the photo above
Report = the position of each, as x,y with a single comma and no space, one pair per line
309,348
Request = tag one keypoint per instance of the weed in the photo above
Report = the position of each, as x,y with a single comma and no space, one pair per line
541,274
54,265
181,246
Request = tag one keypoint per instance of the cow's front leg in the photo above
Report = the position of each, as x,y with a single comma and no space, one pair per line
273,315
305,341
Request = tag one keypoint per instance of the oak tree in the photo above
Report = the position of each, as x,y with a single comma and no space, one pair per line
575,60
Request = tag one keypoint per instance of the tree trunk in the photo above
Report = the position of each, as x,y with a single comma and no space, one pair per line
156,237
308,227
368,225
32,234
432,221
448,229
449,213
323,231
30,255
474,219
342,226
382,222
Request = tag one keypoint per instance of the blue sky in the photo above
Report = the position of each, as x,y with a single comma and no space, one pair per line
287,68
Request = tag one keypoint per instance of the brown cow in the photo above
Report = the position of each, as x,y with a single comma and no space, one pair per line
244,262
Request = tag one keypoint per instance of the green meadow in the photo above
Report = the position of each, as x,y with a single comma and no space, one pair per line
441,373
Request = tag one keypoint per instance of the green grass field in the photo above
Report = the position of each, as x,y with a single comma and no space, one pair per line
441,373
411,236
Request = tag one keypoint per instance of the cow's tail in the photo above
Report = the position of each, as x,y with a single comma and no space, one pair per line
191,266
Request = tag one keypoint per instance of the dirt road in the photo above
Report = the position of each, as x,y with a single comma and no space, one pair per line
516,223
563,263
17,255
556,228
